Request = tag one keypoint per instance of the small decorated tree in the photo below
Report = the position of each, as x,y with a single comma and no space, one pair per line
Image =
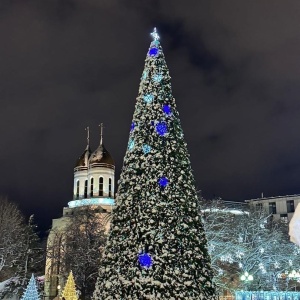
69,292
31,292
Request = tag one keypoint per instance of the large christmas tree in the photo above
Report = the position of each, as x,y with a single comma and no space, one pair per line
157,247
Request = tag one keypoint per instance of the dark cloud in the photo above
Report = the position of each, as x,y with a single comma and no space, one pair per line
67,64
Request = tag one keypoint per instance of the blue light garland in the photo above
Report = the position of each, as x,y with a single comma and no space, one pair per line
148,98
161,128
157,77
167,109
163,181
145,260
153,52
146,148
131,144
145,74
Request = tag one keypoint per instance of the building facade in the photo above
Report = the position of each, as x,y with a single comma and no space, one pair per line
281,207
94,180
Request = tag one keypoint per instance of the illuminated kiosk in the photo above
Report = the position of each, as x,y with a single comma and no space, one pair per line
94,180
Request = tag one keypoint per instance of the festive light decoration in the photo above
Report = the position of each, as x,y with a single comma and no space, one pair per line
167,109
294,275
266,295
131,144
155,35
132,126
145,260
31,292
161,128
163,181
181,254
145,74
157,78
91,201
148,98
146,148
69,292
239,254
153,52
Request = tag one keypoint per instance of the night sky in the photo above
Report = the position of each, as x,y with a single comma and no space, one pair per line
68,64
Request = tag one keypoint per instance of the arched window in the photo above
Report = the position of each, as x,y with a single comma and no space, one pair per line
109,187
92,187
77,190
100,186
85,188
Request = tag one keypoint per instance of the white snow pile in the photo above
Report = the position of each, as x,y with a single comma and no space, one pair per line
294,227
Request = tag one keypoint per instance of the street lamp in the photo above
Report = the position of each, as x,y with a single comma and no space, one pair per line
58,291
294,275
246,277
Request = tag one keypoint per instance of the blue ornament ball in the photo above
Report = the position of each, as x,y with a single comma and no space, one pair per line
161,128
145,260
132,126
163,181
153,52
167,109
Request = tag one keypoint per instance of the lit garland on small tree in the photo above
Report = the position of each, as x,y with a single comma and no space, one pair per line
69,292
31,292
157,247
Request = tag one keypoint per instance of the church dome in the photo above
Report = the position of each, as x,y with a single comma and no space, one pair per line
101,158
83,160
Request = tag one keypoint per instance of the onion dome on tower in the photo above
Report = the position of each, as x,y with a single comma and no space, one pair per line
94,177
83,160
101,157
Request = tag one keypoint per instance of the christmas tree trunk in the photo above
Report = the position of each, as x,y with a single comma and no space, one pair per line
157,247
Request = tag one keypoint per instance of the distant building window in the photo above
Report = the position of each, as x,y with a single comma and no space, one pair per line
290,206
92,187
272,208
77,189
284,218
109,187
259,206
100,186
85,188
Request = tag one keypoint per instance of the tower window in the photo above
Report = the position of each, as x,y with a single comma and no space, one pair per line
85,188
77,190
100,186
92,187
109,187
